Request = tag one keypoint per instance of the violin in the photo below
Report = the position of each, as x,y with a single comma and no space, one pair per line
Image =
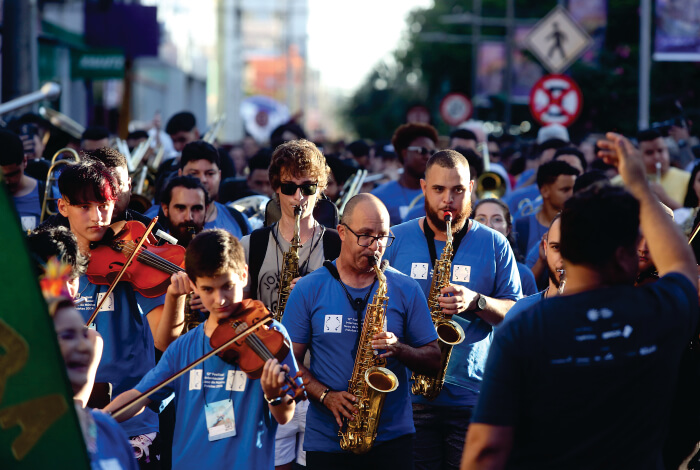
251,353
150,276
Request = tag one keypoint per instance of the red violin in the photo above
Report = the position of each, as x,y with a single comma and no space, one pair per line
251,353
153,266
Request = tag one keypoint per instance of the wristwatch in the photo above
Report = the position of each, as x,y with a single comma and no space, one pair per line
274,401
480,303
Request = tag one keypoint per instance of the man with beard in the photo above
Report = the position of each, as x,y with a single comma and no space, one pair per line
184,203
414,143
484,284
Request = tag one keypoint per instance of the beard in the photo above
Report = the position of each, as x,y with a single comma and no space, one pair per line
553,275
185,232
458,218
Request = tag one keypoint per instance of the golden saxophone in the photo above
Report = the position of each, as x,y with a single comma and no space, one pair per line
370,381
449,332
290,267
192,317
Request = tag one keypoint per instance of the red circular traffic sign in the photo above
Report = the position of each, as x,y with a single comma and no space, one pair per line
556,99
455,108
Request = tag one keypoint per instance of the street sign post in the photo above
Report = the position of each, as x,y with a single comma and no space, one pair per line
557,40
556,99
455,108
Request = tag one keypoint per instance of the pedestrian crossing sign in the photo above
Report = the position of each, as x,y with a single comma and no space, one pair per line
557,40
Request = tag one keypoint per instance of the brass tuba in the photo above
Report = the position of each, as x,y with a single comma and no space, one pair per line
51,179
449,332
290,267
489,184
370,381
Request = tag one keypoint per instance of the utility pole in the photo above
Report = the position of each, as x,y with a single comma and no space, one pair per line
20,74
230,67
644,63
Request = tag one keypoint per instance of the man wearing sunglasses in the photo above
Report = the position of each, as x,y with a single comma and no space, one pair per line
413,143
484,284
325,314
298,174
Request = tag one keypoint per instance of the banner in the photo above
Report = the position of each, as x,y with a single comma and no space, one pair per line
38,424
677,37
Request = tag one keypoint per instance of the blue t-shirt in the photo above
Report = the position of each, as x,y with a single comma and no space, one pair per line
529,237
587,380
152,211
523,304
253,446
523,201
483,263
397,199
527,280
113,447
524,176
225,220
128,343
29,209
415,212
319,314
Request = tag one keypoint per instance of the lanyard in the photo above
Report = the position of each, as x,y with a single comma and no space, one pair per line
204,374
430,239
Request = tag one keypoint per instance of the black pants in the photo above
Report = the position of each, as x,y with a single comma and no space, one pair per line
394,454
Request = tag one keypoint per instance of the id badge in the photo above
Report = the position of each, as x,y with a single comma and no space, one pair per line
220,420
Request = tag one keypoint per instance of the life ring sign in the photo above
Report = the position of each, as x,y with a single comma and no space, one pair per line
556,99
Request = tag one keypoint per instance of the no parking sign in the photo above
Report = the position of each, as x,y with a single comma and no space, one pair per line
455,108
556,99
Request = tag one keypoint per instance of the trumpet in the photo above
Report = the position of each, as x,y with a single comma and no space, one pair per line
51,179
351,187
489,184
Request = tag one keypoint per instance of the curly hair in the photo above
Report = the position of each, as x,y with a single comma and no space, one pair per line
407,133
299,158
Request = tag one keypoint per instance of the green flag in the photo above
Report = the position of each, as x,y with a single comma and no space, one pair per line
38,424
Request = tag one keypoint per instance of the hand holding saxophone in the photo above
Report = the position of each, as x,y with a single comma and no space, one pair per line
387,341
342,405
456,298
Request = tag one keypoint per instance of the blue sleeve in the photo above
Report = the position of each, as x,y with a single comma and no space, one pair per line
165,368
527,280
507,277
289,360
532,256
419,325
500,393
297,316
147,305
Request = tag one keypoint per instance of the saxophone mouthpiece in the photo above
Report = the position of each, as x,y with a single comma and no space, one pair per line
297,210
448,216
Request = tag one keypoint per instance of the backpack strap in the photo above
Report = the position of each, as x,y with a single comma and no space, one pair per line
240,220
257,250
331,244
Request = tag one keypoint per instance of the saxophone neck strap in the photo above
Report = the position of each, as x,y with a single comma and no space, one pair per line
430,239
358,304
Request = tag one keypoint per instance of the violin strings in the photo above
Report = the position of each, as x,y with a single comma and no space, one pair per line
152,259
263,352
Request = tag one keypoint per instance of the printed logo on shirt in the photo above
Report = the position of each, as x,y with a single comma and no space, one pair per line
108,306
196,379
333,324
419,270
236,380
28,222
461,273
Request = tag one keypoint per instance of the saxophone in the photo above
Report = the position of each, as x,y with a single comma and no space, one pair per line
370,381
290,267
449,332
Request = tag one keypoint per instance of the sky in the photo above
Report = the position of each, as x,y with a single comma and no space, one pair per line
346,39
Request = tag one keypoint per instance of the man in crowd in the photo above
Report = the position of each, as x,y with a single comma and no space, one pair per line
611,348
413,143
94,137
325,314
184,204
483,284
258,179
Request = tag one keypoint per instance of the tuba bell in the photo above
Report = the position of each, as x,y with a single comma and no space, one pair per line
51,178
489,185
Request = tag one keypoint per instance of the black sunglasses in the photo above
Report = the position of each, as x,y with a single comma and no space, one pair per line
290,189
423,150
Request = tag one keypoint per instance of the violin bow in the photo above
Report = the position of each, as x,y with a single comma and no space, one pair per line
695,232
195,363
122,270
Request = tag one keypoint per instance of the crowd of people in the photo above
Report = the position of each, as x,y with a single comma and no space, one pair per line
563,270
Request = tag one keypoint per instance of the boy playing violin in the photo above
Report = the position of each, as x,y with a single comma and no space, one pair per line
222,418
88,193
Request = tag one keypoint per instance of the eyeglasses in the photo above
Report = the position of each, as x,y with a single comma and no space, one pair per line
368,240
422,150
290,189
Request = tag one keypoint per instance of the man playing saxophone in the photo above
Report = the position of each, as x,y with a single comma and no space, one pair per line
326,313
483,285
295,246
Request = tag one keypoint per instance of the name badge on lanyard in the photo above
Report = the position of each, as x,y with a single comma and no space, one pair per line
221,422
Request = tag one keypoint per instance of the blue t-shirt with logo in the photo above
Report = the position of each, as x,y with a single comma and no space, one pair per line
128,343
523,201
113,447
587,380
319,314
483,263
225,220
214,380
397,199
29,209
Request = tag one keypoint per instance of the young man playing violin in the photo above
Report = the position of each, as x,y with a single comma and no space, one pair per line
88,194
222,416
